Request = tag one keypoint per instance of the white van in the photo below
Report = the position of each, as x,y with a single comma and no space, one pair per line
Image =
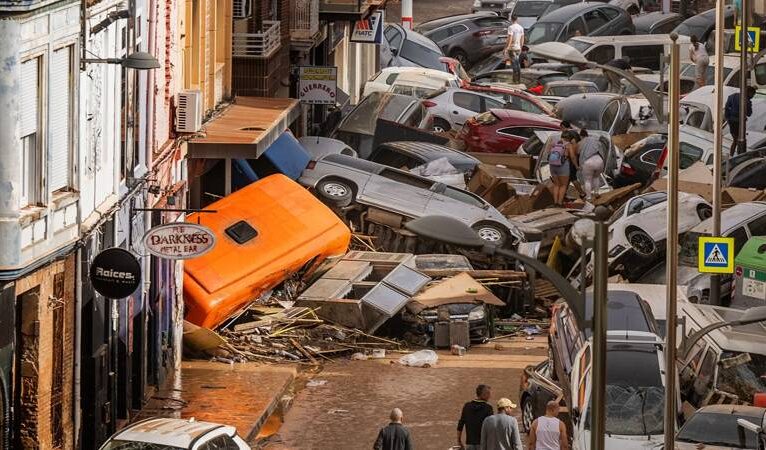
642,50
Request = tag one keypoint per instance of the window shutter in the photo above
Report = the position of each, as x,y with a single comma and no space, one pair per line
29,97
60,122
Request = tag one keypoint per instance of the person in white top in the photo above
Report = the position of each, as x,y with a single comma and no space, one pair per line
515,42
698,55
548,432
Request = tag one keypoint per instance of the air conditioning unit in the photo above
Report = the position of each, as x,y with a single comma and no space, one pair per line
189,112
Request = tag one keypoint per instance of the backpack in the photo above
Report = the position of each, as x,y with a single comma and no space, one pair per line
558,154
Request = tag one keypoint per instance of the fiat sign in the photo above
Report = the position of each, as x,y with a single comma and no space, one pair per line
179,240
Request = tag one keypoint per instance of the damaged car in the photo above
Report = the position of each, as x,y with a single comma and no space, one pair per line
340,181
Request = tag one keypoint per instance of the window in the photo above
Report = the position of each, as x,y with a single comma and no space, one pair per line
601,54
391,78
491,104
651,157
760,74
611,13
421,55
456,29
393,37
665,28
576,28
610,114
644,55
734,79
467,101
522,104
494,22
392,158
222,442
463,196
525,132
594,20
705,379
31,142
439,35
689,154
411,180
60,153
740,239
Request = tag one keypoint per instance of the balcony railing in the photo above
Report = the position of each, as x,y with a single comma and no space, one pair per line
305,19
258,45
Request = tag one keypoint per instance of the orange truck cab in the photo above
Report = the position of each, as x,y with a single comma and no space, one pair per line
265,233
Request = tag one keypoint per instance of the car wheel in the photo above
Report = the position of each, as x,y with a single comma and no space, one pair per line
704,211
527,414
441,125
491,232
461,57
335,192
641,241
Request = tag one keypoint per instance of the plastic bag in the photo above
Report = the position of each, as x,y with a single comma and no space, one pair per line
421,358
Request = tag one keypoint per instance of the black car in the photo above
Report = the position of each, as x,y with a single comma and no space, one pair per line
410,154
640,160
657,22
585,19
703,24
468,37
596,111
536,389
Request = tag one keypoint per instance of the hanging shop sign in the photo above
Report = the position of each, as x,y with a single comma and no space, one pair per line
317,85
115,273
369,30
179,240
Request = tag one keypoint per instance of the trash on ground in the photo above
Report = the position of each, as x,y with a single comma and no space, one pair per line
420,358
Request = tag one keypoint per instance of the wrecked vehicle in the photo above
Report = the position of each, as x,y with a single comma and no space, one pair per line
502,130
180,434
418,157
251,255
357,129
318,146
728,364
597,111
718,427
340,181
741,222
536,389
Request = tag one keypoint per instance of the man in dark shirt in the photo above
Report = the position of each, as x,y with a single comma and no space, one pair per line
472,417
394,436
731,113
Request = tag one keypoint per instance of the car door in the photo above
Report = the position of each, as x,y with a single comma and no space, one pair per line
400,192
464,106
390,46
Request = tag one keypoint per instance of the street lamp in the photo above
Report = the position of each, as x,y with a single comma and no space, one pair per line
136,60
452,231
750,316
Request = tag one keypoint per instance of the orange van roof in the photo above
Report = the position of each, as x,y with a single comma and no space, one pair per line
285,215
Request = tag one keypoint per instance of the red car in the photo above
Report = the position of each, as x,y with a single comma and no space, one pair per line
518,99
502,130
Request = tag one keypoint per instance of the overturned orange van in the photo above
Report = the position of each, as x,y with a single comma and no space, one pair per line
266,232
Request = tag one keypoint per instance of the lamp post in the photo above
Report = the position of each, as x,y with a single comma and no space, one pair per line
136,60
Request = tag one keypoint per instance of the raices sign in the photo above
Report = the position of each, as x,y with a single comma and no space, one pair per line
115,273
179,240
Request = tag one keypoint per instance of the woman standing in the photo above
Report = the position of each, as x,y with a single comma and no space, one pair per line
592,163
561,154
698,55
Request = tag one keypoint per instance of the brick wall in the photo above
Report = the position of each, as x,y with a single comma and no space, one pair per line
45,301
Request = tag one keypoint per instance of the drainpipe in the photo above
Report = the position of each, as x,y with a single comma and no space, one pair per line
10,168
78,347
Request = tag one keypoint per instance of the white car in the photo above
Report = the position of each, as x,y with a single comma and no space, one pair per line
161,433
384,80
449,109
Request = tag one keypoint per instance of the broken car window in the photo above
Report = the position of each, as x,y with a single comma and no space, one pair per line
742,378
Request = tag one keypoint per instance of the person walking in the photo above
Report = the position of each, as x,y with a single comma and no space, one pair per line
591,162
394,436
472,417
561,155
698,55
731,113
548,432
501,431
513,48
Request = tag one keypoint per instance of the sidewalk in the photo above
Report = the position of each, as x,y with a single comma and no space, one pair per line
242,395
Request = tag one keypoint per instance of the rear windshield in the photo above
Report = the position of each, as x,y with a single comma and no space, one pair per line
421,55
720,430
530,9
543,32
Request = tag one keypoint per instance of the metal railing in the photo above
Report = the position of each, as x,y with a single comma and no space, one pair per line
305,19
258,45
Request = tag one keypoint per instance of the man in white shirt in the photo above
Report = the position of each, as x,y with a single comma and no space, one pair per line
515,42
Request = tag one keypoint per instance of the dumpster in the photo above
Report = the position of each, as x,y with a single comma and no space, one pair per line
750,274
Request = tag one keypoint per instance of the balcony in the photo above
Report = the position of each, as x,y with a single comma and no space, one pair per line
258,45
305,20
351,10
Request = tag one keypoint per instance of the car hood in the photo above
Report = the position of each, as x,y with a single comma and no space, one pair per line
558,51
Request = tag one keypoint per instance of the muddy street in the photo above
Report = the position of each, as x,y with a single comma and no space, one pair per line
358,396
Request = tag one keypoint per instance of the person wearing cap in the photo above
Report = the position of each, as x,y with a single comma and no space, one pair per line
501,431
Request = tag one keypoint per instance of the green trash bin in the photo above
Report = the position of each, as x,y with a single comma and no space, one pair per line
750,274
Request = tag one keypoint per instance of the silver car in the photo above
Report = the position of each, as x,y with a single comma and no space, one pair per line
339,180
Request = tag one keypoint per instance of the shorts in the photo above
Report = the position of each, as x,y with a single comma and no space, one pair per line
560,171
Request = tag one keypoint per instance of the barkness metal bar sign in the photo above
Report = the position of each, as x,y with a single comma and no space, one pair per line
318,85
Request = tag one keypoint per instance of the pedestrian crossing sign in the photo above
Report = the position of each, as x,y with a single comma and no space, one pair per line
716,255
753,39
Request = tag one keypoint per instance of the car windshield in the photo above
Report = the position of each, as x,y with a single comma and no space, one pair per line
689,70
133,445
581,118
530,9
634,392
579,45
421,55
742,374
566,91
491,63
689,248
720,430
543,32
695,26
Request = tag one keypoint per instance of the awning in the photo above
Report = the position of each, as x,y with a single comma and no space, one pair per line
245,129
458,289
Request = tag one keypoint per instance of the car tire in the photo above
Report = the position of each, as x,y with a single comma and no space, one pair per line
527,414
441,126
641,241
704,211
491,232
334,192
461,57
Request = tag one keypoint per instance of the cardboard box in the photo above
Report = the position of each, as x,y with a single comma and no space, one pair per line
523,163
486,176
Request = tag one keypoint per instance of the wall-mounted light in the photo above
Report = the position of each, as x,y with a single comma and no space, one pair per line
136,60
